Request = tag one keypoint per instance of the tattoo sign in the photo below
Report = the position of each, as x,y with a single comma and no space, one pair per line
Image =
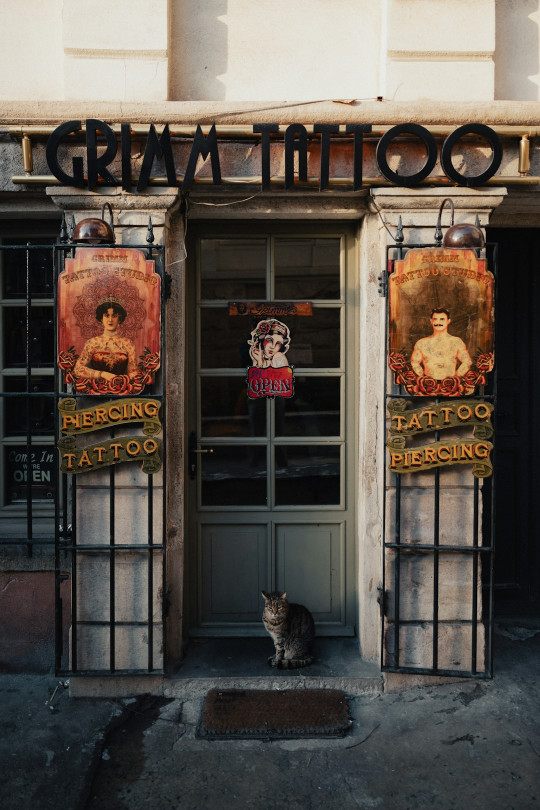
109,321
475,449
146,448
270,375
441,322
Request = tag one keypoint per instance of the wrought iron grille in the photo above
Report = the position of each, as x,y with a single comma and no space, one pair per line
40,504
437,598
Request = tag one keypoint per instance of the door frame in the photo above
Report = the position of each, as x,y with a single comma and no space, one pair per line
350,341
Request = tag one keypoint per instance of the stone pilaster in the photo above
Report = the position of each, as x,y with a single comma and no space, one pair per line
420,570
130,216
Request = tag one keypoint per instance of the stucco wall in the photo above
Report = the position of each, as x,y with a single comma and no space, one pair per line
236,50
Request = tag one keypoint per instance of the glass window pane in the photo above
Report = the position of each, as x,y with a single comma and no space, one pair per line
307,269
17,468
227,411
314,409
307,475
42,409
315,339
41,336
233,269
40,263
234,476
224,339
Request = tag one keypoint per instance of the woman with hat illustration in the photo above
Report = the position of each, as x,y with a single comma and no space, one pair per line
270,340
108,355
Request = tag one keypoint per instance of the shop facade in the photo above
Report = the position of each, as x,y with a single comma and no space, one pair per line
297,492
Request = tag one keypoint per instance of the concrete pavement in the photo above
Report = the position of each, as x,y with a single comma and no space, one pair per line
468,744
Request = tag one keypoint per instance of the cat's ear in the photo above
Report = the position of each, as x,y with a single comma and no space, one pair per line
265,595
283,595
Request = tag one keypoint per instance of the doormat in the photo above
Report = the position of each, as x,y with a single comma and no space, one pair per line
267,714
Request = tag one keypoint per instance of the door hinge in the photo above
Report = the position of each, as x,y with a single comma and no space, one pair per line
166,601
382,600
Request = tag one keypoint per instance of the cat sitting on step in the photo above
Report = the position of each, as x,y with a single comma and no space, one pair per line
292,629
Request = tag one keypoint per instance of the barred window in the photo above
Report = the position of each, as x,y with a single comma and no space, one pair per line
27,381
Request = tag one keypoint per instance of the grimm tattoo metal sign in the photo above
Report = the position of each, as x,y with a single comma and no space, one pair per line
473,450
294,141
441,322
109,314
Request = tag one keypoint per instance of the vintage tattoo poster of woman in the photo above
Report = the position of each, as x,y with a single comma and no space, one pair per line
441,324
109,304
270,374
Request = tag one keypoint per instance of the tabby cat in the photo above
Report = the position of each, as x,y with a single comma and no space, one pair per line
292,629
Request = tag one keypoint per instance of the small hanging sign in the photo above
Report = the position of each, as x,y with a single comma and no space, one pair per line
473,450
109,313
441,322
146,448
269,309
270,374
104,454
441,454
409,422
110,414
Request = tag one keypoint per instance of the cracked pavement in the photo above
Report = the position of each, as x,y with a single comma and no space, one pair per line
451,746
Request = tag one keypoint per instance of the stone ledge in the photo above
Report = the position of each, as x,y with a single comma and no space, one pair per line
426,112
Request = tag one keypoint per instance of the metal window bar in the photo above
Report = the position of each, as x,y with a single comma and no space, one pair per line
62,535
22,252
395,550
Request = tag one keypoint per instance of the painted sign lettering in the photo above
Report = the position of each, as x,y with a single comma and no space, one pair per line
441,454
268,309
104,454
473,450
404,422
270,382
110,414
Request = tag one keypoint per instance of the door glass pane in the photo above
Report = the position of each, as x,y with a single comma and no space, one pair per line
315,339
313,411
234,476
224,339
233,268
227,411
307,269
307,475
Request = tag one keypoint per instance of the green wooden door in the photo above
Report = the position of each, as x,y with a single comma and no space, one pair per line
271,480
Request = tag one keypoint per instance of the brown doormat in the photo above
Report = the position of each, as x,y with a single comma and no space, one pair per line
267,714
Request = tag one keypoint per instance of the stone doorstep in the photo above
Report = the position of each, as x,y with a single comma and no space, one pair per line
240,663
191,688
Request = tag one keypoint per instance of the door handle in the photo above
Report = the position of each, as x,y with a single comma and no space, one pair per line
194,451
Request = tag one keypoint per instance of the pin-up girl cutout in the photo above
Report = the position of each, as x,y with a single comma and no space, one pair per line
270,374
269,344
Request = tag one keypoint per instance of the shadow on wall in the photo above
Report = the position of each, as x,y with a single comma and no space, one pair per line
516,50
198,50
